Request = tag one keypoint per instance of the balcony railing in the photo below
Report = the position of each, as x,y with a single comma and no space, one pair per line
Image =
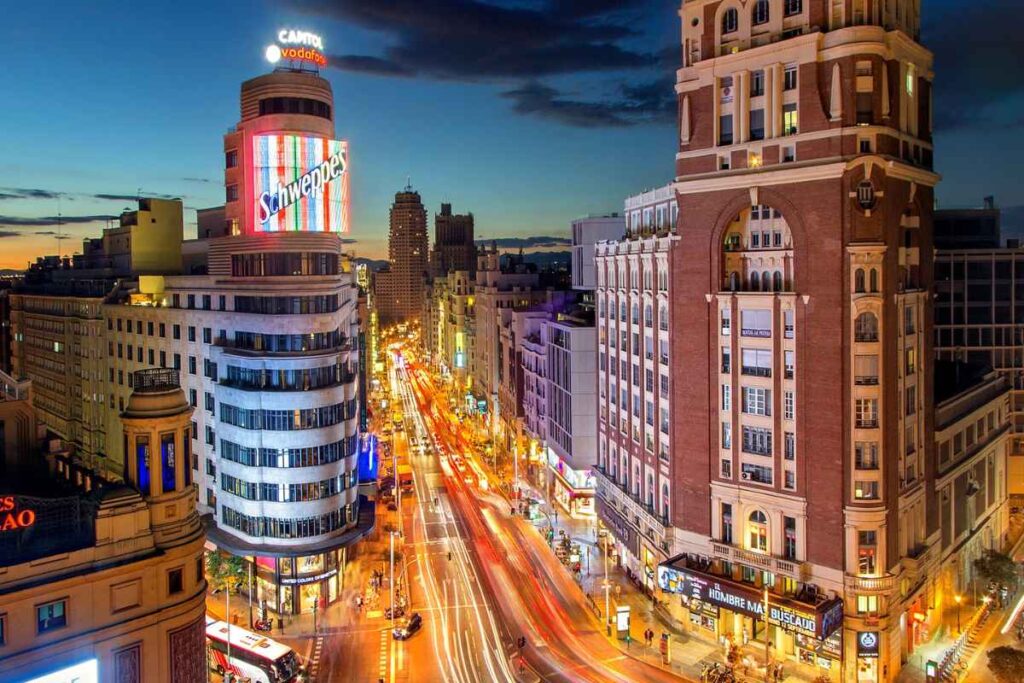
794,569
756,371
866,380
867,424
870,584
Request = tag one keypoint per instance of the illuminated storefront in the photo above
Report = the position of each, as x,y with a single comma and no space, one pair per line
296,585
723,607
572,489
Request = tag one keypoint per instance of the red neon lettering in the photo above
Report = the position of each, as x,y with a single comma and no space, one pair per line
17,520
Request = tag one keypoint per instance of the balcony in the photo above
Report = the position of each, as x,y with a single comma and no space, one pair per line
918,563
866,380
867,424
870,584
794,569
755,371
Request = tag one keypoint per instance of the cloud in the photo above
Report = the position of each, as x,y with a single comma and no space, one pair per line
968,39
485,42
28,193
199,180
132,197
527,242
642,103
9,233
46,221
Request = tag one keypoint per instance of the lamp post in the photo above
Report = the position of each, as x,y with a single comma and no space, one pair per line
392,536
607,590
958,599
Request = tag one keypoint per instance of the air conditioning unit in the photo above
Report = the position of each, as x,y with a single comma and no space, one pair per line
745,475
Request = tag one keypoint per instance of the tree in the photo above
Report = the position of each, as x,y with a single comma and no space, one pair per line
1007,664
995,566
225,570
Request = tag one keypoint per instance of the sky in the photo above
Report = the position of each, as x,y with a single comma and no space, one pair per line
528,113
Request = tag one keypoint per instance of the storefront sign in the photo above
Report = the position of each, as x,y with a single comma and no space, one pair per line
867,644
11,518
620,528
817,622
302,580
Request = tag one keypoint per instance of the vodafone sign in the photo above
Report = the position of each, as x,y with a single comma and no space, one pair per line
297,46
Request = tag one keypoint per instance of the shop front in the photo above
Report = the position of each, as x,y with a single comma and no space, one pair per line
625,541
810,633
573,489
288,585
867,656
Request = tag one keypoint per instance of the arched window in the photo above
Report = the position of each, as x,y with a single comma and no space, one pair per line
636,480
778,281
874,280
730,21
766,281
664,501
858,281
648,316
624,471
650,489
734,282
636,314
622,311
755,282
760,12
757,531
865,328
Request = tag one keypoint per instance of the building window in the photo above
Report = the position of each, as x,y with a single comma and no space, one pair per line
760,14
790,452
865,490
789,538
790,119
757,531
726,435
176,331
757,124
865,455
867,413
730,21
911,401
726,320
726,397
865,328
866,195
867,604
725,129
757,440
51,616
788,153
757,401
910,360
757,84
790,364
175,581
787,405
726,468
867,549
789,78
231,193
793,7
231,158
727,523
756,362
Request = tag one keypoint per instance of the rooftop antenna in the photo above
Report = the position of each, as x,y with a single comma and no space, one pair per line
408,183
59,222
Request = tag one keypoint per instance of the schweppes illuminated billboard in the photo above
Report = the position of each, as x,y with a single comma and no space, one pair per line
300,184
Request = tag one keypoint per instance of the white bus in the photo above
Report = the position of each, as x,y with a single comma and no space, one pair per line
254,657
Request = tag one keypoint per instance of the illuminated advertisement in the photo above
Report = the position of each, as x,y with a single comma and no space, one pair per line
86,672
297,46
300,184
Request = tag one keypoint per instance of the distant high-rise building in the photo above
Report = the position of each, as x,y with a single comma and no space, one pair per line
453,243
400,288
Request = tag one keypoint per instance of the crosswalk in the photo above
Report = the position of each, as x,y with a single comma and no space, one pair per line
314,659
382,669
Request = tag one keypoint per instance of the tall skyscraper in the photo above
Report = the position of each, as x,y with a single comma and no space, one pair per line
453,248
400,288
803,458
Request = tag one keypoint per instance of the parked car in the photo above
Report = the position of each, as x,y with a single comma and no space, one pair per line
408,628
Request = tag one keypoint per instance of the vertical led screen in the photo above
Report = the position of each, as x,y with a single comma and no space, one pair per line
300,183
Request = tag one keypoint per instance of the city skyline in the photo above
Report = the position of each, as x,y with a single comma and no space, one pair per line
522,126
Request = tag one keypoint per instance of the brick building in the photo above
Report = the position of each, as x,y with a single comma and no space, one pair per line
803,429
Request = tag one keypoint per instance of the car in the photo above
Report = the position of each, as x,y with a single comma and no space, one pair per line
408,628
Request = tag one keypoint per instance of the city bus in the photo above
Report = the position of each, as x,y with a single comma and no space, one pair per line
253,657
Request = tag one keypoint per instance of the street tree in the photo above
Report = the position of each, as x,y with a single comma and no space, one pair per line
225,571
997,567
1007,664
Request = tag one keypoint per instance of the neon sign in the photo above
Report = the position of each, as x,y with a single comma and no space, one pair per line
297,46
12,519
300,183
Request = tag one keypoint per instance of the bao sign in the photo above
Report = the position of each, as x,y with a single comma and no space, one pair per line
816,622
300,183
13,519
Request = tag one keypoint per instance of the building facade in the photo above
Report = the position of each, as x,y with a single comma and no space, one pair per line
804,183
454,248
400,289
635,468
587,232
109,584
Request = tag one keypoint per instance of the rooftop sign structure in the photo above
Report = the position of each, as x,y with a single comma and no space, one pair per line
297,47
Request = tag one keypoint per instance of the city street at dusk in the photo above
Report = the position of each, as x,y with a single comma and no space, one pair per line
511,341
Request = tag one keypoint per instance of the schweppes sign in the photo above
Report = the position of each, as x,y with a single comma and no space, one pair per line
13,519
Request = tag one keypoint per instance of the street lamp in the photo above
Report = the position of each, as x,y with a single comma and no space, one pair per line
607,590
958,599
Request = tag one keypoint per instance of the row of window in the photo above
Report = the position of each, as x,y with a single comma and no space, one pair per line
306,527
283,264
759,14
287,305
289,343
274,379
287,420
287,493
289,457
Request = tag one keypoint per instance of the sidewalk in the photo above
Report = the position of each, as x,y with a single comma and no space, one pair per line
689,651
